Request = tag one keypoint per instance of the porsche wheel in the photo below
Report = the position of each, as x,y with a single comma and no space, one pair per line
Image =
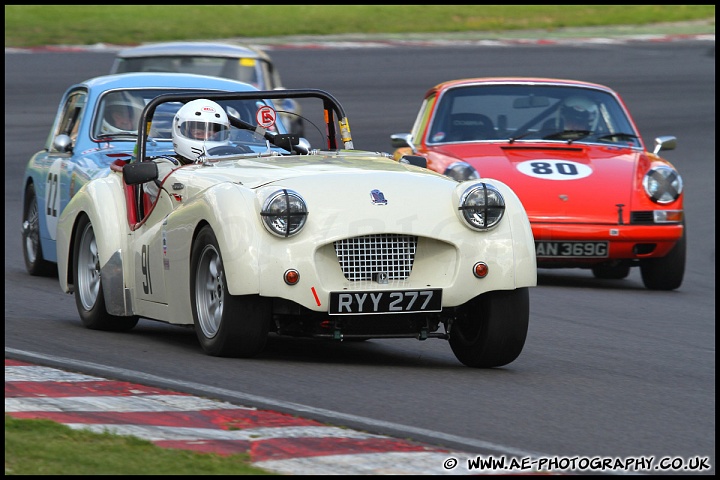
665,273
226,325
611,271
490,330
35,263
89,297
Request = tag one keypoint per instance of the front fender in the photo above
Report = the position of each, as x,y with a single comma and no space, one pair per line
523,251
103,202
229,210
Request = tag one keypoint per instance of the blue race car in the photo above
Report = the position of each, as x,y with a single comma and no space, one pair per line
89,133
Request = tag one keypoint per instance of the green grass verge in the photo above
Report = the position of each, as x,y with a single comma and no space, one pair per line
35,25
39,447
42,447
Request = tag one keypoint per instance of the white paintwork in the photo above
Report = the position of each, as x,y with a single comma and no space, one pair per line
336,186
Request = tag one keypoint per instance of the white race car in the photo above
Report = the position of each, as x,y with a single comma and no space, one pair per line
270,236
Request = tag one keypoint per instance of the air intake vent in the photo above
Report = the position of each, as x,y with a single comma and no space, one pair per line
641,218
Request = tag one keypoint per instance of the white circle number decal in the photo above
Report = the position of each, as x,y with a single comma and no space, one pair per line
551,169
265,117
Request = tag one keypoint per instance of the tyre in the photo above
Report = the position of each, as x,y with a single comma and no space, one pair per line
35,263
666,273
89,297
490,330
226,325
611,271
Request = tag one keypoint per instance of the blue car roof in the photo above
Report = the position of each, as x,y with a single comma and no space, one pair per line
97,86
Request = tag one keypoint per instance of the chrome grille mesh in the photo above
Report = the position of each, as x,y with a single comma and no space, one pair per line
362,258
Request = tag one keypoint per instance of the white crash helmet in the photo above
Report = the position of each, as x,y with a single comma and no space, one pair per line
129,108
581,110
198,126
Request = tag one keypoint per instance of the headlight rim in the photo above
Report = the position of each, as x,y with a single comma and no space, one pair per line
652,194
456,171
464,208
269,218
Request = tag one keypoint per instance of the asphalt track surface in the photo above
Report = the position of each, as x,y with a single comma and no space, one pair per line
610,370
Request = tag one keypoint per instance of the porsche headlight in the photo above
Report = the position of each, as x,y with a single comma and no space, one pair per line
663,184
284,213
461,171
482,206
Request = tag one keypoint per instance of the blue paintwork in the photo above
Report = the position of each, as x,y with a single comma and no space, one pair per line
91,157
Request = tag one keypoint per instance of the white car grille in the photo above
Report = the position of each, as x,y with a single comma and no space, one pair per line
388,255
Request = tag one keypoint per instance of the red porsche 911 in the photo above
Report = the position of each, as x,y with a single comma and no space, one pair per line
595,196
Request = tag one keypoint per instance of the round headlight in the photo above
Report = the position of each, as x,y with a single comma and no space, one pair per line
284,213
482,206
663,184
461,171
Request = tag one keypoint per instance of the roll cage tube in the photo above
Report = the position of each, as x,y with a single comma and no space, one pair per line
332,108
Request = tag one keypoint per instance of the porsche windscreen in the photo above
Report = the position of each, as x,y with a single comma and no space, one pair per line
530,112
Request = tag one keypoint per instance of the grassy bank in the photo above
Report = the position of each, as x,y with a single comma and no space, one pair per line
40,447
76,452
34,25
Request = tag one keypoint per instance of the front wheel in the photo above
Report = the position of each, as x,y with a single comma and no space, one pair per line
35,263
226,325
89,297
665,273
490,330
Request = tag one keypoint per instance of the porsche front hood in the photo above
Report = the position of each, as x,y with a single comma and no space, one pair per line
562,183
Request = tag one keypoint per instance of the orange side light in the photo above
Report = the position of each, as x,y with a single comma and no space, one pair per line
480,270
291,277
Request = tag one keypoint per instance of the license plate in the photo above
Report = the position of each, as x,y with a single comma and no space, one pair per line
368,303
571,249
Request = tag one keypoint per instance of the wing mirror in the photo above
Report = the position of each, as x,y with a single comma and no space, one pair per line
140,172
401,140
63,143
664,143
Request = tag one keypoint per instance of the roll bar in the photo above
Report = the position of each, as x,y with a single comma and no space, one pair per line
333,109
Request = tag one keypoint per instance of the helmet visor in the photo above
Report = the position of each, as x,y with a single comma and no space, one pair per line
204,131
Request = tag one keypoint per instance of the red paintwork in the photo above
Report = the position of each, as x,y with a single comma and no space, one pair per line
582,209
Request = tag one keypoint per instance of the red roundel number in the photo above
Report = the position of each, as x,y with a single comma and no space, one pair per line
265,116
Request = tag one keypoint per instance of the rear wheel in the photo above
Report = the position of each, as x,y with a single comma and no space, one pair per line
35,264
226,325
490,330
666,273
89,297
